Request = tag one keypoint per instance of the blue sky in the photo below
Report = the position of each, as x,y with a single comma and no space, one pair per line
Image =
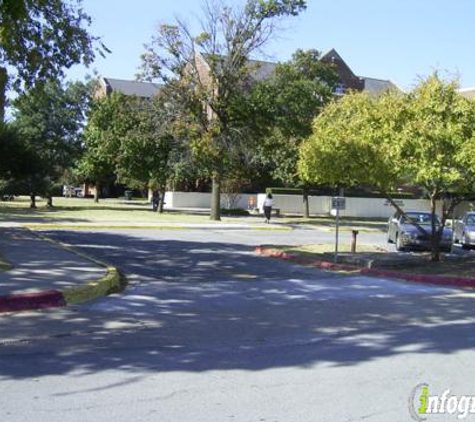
400,40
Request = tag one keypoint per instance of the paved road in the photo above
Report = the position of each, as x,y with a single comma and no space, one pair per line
208,331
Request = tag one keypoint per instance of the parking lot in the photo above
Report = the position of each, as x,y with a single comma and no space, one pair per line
233,335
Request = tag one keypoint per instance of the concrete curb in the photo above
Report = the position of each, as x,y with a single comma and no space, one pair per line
31,301
113,282
417,278
4,265
150,227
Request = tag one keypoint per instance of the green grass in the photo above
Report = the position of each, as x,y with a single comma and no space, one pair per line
84,210
4,264
460,266
346,223
117,212
328,248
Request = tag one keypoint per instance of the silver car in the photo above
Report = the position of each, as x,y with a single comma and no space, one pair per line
403,232
464,230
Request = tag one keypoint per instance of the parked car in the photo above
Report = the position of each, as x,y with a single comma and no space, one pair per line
464,230
404,233
71,191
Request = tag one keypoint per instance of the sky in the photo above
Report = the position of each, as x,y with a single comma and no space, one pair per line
399,40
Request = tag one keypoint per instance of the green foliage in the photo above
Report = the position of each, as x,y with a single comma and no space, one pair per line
50,119
146,149
39,39
107,122
438,137
262,9
19,163
284,191
284,107
212,69
425,138
134,139
352,143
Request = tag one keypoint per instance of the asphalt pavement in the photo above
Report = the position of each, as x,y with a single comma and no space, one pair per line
40,265
208,330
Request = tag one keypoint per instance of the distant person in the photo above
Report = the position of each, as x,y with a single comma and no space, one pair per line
155,200
268,203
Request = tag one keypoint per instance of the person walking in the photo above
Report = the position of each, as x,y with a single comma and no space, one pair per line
155,200
268,203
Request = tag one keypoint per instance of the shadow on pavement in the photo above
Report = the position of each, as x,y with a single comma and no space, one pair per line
202,306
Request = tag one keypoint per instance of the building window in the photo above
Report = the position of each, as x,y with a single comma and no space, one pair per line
338,89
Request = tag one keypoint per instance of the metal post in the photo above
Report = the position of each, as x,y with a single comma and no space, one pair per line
354,233
453,232
336,232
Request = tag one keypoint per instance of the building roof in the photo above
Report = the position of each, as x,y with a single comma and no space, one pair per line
467,92
373,86
140,89
261,70
377,86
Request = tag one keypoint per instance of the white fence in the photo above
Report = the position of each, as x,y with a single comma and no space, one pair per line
354,207
203,200
293,204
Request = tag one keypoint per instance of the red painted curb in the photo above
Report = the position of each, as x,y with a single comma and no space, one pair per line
418,278
32,301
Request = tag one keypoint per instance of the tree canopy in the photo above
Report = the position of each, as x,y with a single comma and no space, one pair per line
425,138
284,106
214,65
134,139
50,120
39,39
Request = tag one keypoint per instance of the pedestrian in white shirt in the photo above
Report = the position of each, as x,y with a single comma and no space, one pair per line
268,203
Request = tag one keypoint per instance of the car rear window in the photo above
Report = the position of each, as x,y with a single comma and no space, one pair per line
470,219
418,218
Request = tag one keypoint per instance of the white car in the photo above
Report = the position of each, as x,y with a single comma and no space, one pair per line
402,231
464,230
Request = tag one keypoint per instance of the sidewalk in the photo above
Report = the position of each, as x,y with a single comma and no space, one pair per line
275,225
42,271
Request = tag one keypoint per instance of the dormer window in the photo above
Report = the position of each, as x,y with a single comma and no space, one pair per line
338,89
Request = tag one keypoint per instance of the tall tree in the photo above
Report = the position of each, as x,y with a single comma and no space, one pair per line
106,124
136,140
439,132
425,138
214,66
285,105
50,118
39,39
20,163
150,150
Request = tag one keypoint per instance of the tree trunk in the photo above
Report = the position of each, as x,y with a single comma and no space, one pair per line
3,90
435,238
162,200
96,193
306,206
49,201
216,198
33,200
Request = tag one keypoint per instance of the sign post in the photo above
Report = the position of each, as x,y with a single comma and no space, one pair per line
338,203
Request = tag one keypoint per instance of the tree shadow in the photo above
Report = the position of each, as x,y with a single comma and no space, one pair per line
199,306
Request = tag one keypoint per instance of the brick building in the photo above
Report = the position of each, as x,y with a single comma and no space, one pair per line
259,70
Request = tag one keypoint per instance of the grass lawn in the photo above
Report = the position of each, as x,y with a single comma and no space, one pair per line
85,210
346,223
4,265
413,263
327,249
